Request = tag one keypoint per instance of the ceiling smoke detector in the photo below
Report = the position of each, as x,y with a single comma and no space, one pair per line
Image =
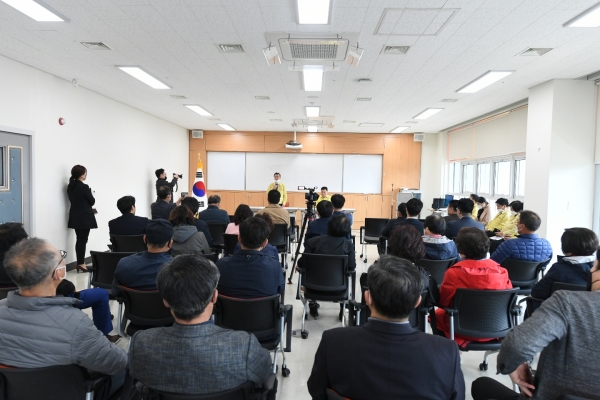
534,51
95,45
231,48
395,50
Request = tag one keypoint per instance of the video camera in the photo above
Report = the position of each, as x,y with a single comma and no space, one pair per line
178,175
311,196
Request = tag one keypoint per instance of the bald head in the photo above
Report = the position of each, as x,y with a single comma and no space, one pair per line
30,263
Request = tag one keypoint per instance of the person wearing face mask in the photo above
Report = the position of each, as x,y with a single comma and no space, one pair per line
509,230
280,187
496,224
484,214
323,196
564,330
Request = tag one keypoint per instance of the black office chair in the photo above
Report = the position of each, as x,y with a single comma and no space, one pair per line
483,314
230,242
436,268
533,303
265,318
333,395
128,243
279,239
524,274
231,217
568,286
102,270
245,391
572,397
293,235
217,230
60,382
370,233
323,277
143,309
4,291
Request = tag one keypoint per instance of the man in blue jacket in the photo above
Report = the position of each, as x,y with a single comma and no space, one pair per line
465,208
318,227
438,246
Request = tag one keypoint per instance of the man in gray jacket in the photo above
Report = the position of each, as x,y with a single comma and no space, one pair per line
194,356
40,329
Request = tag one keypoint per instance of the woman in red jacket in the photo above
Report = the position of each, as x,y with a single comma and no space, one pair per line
475,271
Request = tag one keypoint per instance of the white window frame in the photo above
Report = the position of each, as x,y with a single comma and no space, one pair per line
479,162
462,176
459,177
514,179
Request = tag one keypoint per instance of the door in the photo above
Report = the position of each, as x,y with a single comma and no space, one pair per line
15,179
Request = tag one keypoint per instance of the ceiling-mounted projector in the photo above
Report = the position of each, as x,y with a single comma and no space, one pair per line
292,144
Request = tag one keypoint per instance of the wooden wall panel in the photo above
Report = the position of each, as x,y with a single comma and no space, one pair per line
235,142
197,146
311,143
227,199
350,144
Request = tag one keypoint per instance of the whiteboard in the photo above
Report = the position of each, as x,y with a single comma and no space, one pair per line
296,170
362,173
226,171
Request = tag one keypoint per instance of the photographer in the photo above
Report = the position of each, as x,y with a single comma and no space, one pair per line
161,180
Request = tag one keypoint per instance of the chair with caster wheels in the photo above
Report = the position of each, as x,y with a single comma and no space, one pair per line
370,233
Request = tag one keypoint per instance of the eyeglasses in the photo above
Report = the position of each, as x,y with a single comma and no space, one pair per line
63,255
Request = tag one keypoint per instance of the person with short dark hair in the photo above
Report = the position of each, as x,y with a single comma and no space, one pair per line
498,222
163,206
465,208
413,208
186,238
269,249
390,226
323,195
280,187
161,181
438,246
452,211
318,227
250,274
81,213
474,198
242,213
213,213
11,233
202,357
128,223
193,204
509,230
338,201
484,214
430,366
474,271
278,214
579,246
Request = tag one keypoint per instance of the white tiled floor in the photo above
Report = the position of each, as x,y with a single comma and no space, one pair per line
300,360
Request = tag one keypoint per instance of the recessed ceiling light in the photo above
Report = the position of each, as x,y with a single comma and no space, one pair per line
590,18
143,76
427,113
35,10
312,128
399,129
262,97
197,109
484,81
371,124
178,96
313,78
312,111
314,12
227,127
363,99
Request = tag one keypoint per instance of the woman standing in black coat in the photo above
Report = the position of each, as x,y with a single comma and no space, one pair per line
81,214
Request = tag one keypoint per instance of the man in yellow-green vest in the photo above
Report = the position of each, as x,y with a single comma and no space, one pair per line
280,187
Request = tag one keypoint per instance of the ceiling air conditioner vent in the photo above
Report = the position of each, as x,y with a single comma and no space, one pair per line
262,97
231,48
449,100
178,97
95,45
322,49
394,49
418,137
534,51
364,98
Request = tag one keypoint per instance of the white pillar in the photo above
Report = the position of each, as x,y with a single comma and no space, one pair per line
559,182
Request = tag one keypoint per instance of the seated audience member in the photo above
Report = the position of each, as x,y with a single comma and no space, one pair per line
452,211
242,213
202,357
484,214
413,209
528,246
333,243
40,329
213,213
498,222
474,198
192,203
579,246
323,195
186,238
163,206
509,230
269,249
318,227
465,206
278,214
12,233
438,246
338,202
363,362
473,272
128,223
400,217
138,271
249,273
565,330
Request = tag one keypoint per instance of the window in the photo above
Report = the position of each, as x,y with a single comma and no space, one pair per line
454,178
519,178
3,168
468,178
483,178
502,178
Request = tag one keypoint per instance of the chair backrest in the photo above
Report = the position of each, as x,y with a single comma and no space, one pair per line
324,272
60,382
278,235
523,273
231,217
567,286
128,243
217,230
145,307
4,291
230,242
105,264
416,319
437,268
484,313
257,316
374,226
243,392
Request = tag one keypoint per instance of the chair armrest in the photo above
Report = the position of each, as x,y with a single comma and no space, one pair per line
91,268
360,231
270,385
143,390
93,383
357,305
449,310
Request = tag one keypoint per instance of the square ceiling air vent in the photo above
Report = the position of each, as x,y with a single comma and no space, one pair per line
449,100
231,48
364,98
262,97
178,96
394,49
534,51
95,45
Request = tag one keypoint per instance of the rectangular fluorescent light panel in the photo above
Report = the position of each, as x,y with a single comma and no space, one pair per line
399,129
145,77
484,81
34,10
199,110
312,128
427,113
313,12
590,18
312,111
313,78
227,127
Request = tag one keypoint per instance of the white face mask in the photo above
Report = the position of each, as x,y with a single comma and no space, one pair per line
276,180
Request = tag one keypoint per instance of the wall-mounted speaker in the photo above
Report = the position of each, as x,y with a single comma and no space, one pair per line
197,134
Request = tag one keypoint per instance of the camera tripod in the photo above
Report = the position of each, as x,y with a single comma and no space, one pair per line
310,213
